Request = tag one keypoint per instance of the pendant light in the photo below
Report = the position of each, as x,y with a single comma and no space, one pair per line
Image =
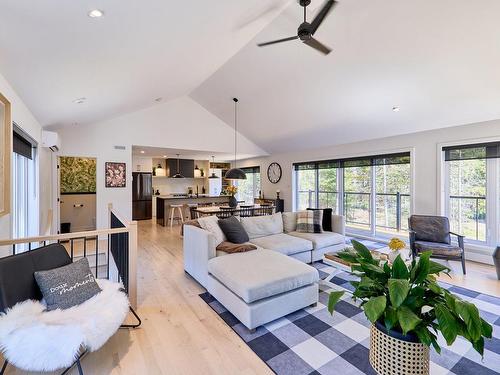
235,173
213,175
178,174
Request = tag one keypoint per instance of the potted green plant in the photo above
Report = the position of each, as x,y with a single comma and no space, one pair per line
407,309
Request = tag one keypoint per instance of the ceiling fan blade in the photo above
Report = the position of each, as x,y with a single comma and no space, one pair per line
320,17
318,46
278,41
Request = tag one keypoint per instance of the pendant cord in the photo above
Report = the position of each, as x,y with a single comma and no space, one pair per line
235,128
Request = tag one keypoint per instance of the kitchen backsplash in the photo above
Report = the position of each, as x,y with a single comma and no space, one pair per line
171,185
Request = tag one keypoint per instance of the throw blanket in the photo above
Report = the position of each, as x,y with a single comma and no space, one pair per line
36,340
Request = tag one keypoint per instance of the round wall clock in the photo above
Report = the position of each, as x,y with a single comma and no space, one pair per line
274,173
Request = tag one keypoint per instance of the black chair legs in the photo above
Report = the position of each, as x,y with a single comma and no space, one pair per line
139,321
463,264
79,365
5,363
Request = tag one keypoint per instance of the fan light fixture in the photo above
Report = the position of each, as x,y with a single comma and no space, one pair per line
213,175
235,173
178,174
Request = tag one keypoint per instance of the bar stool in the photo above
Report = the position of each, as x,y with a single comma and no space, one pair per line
173,208
190,207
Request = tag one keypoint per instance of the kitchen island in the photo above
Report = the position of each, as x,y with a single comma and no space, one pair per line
164,201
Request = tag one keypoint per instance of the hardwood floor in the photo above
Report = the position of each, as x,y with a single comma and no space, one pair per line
180,333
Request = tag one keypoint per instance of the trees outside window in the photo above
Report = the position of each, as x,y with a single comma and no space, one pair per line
327,188
355,186
306,189
470,189
249,189
392,197
357,196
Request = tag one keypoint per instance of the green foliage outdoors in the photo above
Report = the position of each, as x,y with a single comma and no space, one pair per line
467,179
409,300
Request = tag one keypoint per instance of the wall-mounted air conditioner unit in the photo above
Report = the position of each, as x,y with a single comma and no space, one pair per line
50,140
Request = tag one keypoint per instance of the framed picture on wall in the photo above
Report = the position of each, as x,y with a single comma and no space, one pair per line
5,151
116,174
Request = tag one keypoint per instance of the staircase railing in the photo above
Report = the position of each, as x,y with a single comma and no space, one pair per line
116,244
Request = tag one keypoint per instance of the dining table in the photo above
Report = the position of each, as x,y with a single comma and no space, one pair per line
225,211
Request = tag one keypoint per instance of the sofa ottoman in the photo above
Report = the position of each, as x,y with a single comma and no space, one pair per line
262,285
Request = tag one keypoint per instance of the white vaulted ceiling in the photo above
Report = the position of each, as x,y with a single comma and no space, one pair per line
53,53
438,60
435,59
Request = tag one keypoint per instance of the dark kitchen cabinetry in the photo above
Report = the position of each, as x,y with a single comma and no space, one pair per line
186,167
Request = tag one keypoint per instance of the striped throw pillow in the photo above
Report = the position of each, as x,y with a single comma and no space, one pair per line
310,221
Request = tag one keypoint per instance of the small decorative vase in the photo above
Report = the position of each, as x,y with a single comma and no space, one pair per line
393,353
393,254
232,201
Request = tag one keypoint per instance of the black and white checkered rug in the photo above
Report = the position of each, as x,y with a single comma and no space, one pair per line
311,341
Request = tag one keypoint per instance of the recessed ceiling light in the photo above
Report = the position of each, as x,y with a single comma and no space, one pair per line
164,156
142,151
96,13
79,100
395,109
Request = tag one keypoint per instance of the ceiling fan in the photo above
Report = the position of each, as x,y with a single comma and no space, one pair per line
307,30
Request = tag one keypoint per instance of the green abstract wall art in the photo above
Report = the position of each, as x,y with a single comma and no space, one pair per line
77,175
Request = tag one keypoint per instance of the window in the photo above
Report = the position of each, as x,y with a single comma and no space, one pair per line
357,196
250,188
392,198
471,181
372,192
25,203
306,188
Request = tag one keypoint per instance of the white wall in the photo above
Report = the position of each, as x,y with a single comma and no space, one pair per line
25,119
83,216
181,123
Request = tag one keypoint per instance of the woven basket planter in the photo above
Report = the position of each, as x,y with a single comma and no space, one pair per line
395,356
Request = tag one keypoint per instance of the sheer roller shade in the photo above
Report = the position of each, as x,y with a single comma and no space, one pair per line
21,145
488,150
366,161
251,169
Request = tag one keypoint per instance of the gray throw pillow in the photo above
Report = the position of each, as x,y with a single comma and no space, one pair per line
233,230
67,286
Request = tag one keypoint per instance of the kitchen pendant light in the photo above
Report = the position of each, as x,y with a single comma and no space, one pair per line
178,174
235,173
213,175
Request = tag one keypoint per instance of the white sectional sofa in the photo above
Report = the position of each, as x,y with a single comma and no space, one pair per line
275,232
264,284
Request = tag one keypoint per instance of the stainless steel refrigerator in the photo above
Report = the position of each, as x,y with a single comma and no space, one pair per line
142,195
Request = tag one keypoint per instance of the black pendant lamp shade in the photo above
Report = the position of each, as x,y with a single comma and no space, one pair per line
235,173
213,175
178,174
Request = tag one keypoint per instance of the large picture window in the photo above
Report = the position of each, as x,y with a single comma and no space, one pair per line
249,189
372,192
471,181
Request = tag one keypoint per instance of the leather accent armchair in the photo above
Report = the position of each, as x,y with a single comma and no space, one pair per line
432,233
